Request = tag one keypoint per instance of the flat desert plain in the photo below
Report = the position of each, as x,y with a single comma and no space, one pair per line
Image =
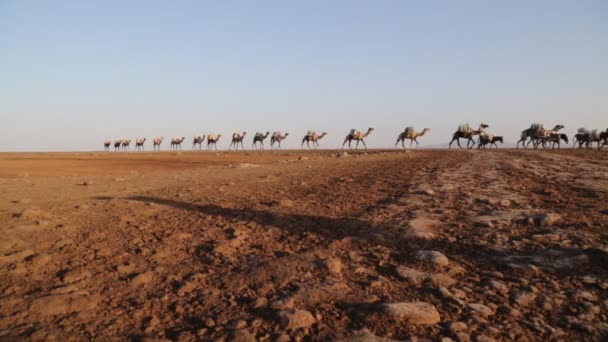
290,245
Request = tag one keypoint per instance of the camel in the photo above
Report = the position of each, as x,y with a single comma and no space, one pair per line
212,140
554,139
466,132
106,145
486,139
314,137
117,144
157,141
543,136
589,137
604,138
198,140
277,137
177,142
259,137
126,144
236,139
579,138
412,134
139,143
536,133
358,136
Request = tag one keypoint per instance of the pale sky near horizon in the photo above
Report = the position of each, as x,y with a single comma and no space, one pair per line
74,73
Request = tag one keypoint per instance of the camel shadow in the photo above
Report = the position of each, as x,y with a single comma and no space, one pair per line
334,228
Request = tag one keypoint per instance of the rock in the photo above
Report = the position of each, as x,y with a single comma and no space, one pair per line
414,277
412,312
433,258
125,270
497,286
505,203
75,276
546,237
422,228
142,279
62,304
545,219
260,302
303,158
296,319
241,335
483,221
283,304
334,266
456,327
440,280
365,335
572,263
85,183
481,309
524,298
342,154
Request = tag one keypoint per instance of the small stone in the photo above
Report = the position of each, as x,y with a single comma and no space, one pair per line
545,219
481,309
524,298
283,304
412,312
432,257
209,322
498,286
260,302
456,327
296,319
142,279
414,277
241,335
334,266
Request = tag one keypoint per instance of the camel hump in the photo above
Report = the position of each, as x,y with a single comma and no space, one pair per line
409,129
583,130
595,135
352,131
536,126
464,128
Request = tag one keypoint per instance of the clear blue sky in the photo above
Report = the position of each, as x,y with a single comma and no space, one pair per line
73,73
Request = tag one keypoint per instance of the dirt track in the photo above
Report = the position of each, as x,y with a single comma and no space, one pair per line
267,246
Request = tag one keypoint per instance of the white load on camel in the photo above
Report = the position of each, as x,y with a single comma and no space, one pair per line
465,128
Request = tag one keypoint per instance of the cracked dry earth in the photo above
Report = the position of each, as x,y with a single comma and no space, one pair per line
428,245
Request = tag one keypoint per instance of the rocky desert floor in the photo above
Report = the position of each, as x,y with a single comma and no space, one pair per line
311,246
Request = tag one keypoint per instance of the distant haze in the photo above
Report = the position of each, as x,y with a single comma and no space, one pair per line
74,73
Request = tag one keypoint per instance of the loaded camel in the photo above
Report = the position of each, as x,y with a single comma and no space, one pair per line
277,137
485,139
555,139
604,138
177,142
466,132
106,145
535,133
157,141
314,137
358,136
198,140
543,136
139,143
259,137
589,137
411,134
117,144
212,140
236,139
126,144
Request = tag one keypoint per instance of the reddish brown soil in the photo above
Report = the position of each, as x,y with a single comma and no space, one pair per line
304,246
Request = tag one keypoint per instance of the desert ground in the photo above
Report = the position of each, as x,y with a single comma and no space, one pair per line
430,245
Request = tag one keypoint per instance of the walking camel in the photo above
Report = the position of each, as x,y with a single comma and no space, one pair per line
466,132
157,141
176,142
106,145
259,137
604,138
314,137
535,133
212,140
358,136
236,139
411,134
117,144
126,144
277,137
198,140
139,143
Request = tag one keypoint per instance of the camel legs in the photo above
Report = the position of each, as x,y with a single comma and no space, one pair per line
455,138
357,146
363,141
397,142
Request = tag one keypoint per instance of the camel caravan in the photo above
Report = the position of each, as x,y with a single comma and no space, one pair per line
535,136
